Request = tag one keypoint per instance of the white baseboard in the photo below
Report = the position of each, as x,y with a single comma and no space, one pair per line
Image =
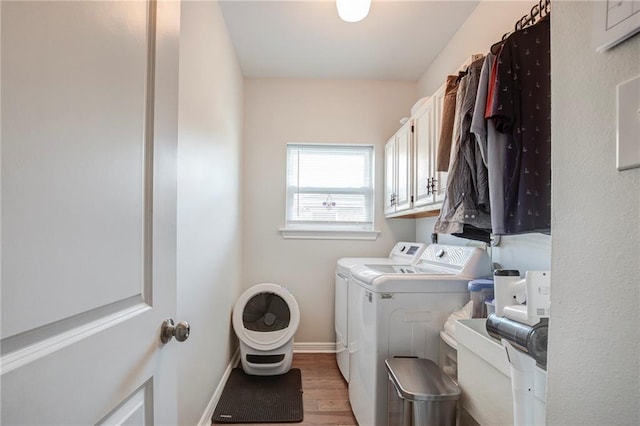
314,347
205,420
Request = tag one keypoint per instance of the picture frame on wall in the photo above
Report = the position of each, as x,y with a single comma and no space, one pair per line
614,22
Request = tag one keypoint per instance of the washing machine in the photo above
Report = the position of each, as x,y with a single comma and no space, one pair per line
402,253
399,311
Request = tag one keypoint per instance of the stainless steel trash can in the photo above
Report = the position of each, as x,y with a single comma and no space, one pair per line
420,394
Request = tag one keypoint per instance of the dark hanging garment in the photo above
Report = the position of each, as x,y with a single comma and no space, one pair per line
491,89
472,233
522,110
492,145
467,171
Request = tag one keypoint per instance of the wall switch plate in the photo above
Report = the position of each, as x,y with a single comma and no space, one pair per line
628,126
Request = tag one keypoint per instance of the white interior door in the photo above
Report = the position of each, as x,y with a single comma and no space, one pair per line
89,132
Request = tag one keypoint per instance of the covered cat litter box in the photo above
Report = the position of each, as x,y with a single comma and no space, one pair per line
265,318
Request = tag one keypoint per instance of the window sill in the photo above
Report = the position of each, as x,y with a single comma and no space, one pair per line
321,234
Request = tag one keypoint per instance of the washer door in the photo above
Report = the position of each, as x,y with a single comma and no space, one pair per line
266,316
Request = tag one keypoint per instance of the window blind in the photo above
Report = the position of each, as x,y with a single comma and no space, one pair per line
330,186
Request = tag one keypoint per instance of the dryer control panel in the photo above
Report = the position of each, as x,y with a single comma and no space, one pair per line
407,252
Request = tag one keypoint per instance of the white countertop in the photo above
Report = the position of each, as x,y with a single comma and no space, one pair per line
472,333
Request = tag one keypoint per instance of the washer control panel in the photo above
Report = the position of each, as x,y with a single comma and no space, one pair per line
407,252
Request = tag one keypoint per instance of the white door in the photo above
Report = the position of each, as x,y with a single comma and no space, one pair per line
404,156
89,131
390,176
423,153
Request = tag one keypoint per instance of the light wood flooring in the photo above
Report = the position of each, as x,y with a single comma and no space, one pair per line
324,391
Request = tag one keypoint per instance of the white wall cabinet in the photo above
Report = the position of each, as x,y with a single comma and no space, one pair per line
424,153
413,187
398,162
390,176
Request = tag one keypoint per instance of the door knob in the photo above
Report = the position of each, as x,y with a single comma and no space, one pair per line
180,331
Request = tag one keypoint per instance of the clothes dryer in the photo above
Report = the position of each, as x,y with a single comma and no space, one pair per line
403,253
399,310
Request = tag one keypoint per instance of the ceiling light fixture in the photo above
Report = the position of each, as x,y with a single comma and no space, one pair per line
353,10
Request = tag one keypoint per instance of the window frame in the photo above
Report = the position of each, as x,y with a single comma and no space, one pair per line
329,229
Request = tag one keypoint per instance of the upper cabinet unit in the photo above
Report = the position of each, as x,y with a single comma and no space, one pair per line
429,184
398,163
413,186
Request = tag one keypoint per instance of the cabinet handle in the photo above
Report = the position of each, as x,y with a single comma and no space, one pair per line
433,185
429,186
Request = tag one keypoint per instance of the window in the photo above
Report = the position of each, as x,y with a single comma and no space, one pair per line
329,188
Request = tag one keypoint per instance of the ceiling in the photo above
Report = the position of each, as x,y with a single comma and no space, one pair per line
306,39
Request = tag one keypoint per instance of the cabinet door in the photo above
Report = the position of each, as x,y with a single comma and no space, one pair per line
404,167
389,176
440,177
423,130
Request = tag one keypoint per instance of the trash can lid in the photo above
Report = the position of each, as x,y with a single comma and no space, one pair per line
418,379
480,284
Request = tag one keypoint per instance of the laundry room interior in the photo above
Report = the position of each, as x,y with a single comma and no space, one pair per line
591,323
238,114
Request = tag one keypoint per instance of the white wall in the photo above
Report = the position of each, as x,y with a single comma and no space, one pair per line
486,25
278,111
594,357
209,203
